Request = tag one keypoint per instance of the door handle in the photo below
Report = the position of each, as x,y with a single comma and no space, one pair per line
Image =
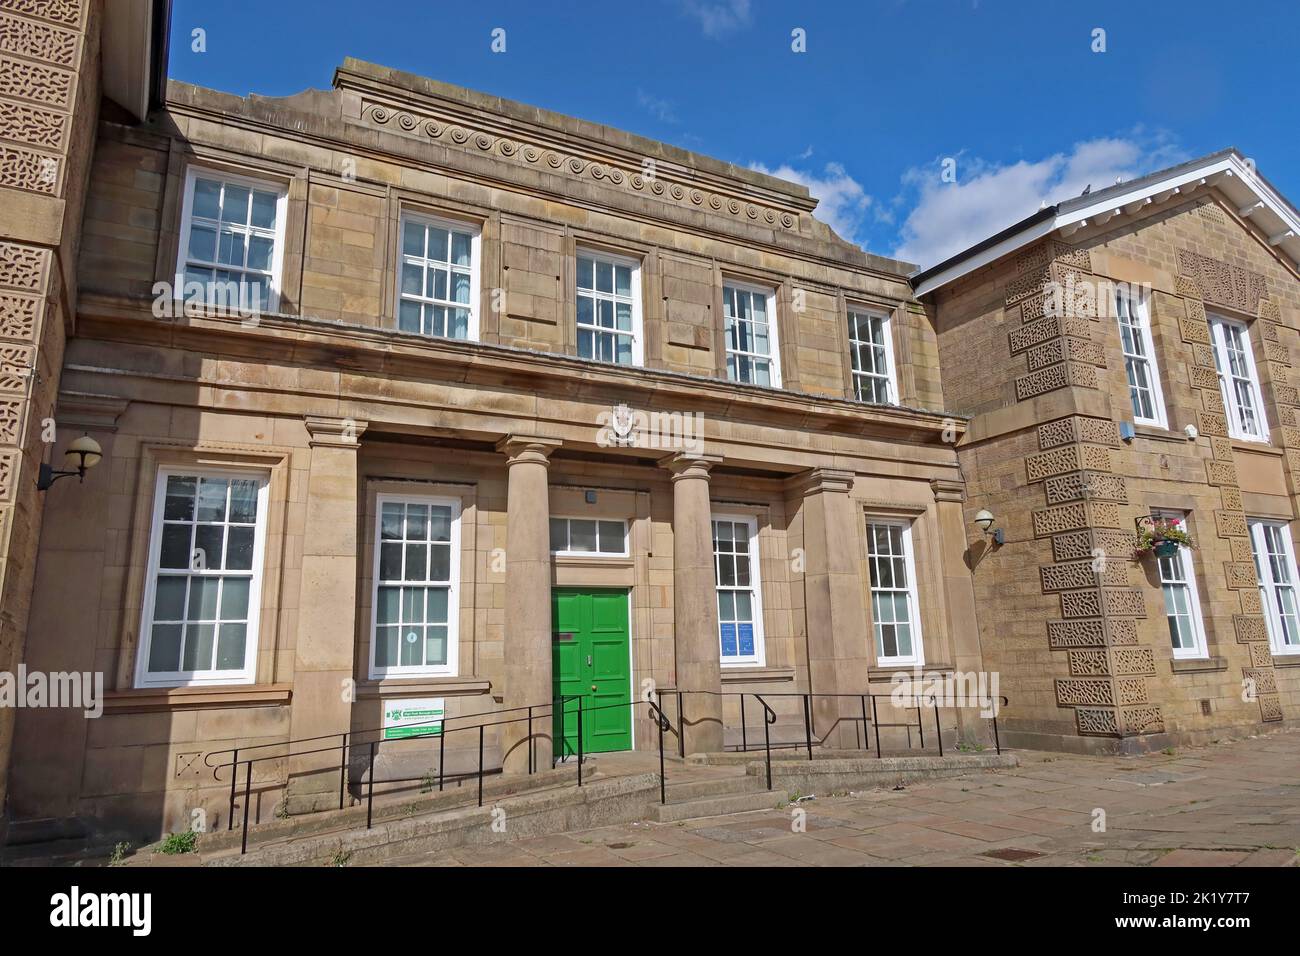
594,687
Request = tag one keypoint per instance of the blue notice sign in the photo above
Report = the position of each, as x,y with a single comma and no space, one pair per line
729,640
747,640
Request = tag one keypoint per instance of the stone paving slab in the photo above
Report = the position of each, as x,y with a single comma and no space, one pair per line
1229,804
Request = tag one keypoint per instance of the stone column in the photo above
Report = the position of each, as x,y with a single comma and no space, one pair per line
326,640
836,617
959,599
695,601
527,663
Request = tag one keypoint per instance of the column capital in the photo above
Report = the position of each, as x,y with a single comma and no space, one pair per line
686,465
816,481
535,449
335,432
948,489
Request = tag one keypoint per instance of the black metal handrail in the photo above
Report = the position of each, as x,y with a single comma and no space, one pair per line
348,744
807,698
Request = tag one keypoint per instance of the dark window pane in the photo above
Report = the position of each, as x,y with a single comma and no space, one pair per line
165,648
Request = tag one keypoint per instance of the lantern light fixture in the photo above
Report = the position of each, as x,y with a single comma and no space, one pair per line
81,455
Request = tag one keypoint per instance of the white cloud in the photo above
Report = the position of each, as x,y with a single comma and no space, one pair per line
986,198
719,17
842,203
661,110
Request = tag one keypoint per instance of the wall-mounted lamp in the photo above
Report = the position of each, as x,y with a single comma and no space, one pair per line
984,518
84,453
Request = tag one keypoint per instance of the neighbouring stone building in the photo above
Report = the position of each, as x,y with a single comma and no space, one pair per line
510,406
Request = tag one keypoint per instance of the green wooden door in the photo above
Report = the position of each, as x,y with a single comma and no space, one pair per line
590,646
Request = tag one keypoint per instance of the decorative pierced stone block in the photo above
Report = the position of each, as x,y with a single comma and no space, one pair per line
1268,309
1070,458
1186,286
1071,691
1072,546
1124,602
1059,432
1250,602
1239,574
1264,679
1249,628
1036,333
1141,720
1240,548
1270,708
1277,352
1260,655
1203,377
1089,663
1123,633
1230,523
1081,604
1048,521
1097,721
1211,423
1133,660
1231,496
1203,356
1065,634
1220,473
1131,690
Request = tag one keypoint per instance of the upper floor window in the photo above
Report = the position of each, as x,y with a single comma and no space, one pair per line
870,351
231,241
895,609
1139,360
1182,602
740,603
609,308
416,587
205,575
438,278
1238,380
578,536
750,314
1270,543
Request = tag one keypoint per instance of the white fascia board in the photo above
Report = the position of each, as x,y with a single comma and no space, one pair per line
1228,169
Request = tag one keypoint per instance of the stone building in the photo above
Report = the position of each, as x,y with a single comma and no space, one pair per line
1135,361
413,399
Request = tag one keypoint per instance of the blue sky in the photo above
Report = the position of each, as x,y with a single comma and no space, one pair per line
1012,91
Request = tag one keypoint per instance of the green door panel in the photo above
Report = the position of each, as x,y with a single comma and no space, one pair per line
590,645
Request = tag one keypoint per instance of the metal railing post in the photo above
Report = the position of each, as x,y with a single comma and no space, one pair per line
920,730
580,741
480,765
807,723
663,786
681,728
767,746
866,738
234,775
343,768
442,753
370,787
531,749
875,723
744,736
938,730
248,798
996,742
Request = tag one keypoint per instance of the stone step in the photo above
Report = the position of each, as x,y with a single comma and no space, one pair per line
719,787
720,806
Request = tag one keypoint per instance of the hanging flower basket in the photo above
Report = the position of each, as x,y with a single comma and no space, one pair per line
1163,538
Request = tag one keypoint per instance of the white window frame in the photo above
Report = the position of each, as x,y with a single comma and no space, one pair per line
475,231
774,341
1218,335
192,175
917,657
1268,585
887,331
400,671
637,333
1134,307
1199,650
248,673
568,553
759,657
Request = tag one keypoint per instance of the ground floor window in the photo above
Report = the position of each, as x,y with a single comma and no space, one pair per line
416,587
1270,542
1182,602
895,616
205,575
740,607
579,536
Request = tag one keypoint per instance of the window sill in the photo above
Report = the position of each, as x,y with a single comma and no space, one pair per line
417,686
749,673
1257,445
1198,665
887,671
593,560
144,700
1286,660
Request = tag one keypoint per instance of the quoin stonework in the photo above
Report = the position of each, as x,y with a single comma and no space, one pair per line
459,407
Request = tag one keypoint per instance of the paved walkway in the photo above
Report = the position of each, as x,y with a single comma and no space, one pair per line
1230,804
